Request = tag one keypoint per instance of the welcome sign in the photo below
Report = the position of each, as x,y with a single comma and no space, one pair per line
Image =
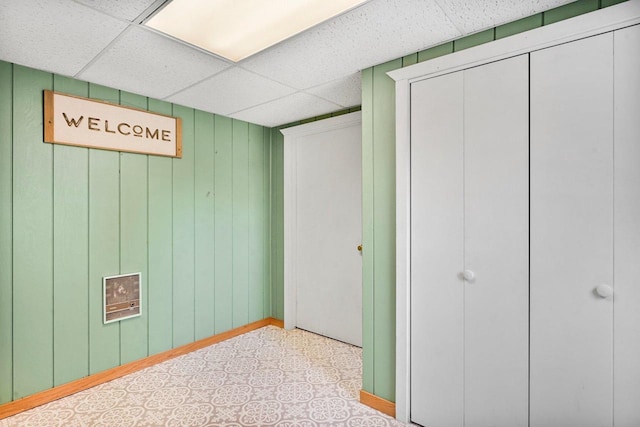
72,120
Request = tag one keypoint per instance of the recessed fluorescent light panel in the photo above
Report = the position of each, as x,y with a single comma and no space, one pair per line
237,29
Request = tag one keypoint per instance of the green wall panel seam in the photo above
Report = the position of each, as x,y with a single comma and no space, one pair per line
12,230
232,226
6,394
13,364
215,201
271,281
13,384
120,235
148,265
193,228
148,291
249,289
373,221
173,254
53,260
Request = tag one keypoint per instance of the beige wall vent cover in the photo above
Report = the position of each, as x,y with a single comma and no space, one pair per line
122,295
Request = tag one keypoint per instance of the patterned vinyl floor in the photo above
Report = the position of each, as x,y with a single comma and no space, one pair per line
268,377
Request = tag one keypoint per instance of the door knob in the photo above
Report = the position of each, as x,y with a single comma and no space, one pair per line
468,276
604,291
359,248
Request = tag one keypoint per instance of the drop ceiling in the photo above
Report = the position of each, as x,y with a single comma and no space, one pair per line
313,73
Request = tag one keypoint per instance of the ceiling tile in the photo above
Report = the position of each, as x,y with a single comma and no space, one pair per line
65,36
125,9
148,63
346,92
53,35
232,90
288,109
376,32
473,16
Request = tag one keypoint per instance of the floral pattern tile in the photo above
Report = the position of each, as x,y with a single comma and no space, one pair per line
267,377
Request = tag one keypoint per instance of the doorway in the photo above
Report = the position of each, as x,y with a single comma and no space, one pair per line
323,227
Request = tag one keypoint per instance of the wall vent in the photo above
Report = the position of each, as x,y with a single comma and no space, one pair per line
122,295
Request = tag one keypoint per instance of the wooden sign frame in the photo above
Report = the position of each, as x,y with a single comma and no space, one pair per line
83,122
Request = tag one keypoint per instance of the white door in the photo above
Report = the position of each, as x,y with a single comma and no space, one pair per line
469,213
627,228
437,252
496,214
323,227
572,234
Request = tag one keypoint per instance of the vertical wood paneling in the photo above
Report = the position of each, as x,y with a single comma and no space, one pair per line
70,252
434,52
256,223
104,244
607,3
279,299
83,214
474,40
183,232
6,232
519,26
384,215
133,239
240,223
266,231
160,252
569,11
32,221
409,59
277,222
223,224
204,225
368,335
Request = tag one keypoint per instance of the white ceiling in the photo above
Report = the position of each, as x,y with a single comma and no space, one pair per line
313,73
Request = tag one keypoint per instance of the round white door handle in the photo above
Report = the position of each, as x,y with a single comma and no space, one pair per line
604,291
468,275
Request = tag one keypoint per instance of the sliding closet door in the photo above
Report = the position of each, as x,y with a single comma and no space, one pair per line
571,382
469,214
496,216
437,239
627,228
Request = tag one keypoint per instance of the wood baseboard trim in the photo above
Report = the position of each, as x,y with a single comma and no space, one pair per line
378,403
55,393
277,322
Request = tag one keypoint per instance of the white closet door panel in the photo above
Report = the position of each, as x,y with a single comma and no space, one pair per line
571,234
496,324
437,252
627,228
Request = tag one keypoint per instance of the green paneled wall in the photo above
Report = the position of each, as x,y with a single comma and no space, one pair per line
197,228
378,255
378,185
6,232
70,252
277,222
